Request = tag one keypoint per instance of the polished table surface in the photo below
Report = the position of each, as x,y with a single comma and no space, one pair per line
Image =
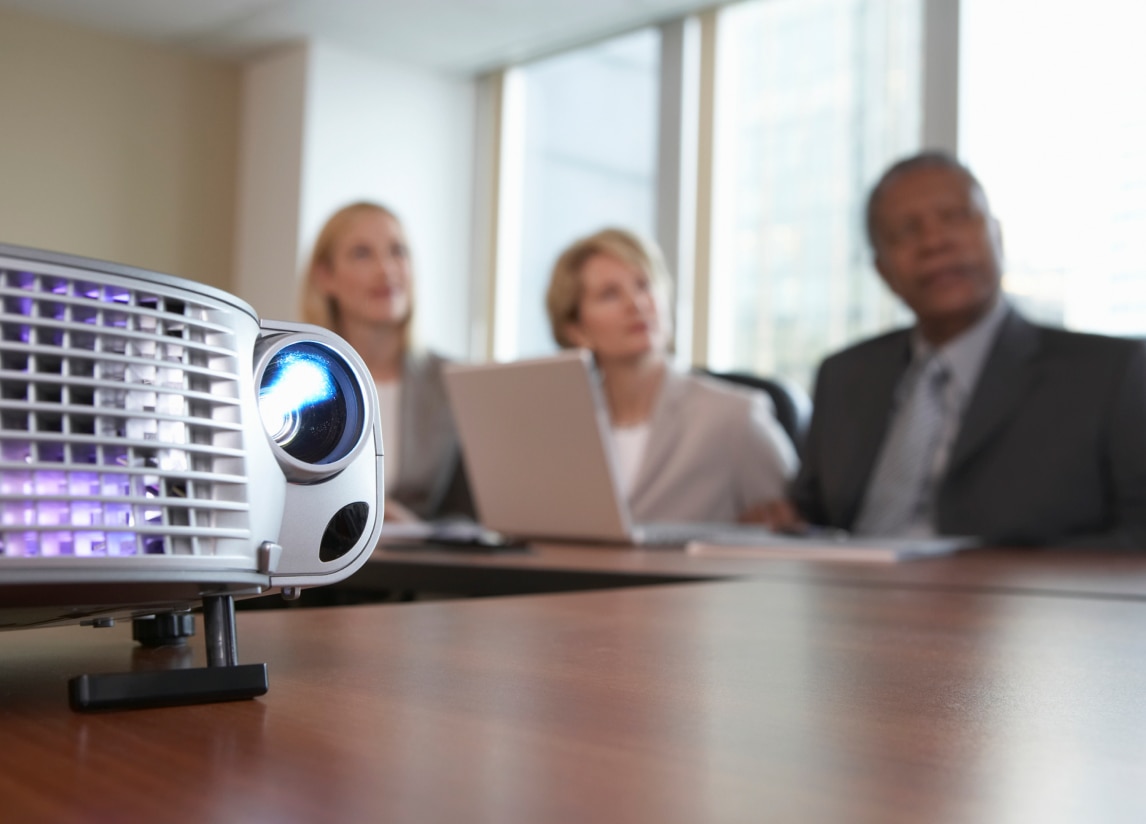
763,700
569,567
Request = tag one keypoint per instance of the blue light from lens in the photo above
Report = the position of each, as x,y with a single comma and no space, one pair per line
302,380
311,404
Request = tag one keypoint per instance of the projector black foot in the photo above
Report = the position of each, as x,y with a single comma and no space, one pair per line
224,679
167,629
167,688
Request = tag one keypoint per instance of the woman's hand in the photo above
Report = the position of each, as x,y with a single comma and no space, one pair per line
396,513
779,515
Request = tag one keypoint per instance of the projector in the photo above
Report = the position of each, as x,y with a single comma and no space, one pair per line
160,447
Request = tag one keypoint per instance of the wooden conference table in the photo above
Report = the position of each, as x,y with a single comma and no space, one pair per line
793,696
567,567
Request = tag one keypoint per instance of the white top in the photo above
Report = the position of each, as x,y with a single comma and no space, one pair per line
389,402
629,446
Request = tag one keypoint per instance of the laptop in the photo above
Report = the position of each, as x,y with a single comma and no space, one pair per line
535,437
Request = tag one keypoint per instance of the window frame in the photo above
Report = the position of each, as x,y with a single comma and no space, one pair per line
685,144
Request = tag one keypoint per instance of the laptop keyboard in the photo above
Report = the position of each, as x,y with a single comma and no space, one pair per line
664,533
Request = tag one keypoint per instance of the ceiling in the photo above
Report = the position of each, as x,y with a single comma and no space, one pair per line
453,35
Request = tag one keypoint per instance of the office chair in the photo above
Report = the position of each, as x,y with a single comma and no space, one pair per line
792,404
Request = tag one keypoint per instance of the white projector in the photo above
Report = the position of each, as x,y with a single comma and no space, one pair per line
160,447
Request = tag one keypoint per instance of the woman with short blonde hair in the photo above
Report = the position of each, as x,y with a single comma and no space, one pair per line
564,295
359,283
689,448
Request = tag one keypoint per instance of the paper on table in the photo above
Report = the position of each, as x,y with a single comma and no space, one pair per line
448,533
833,547
452,530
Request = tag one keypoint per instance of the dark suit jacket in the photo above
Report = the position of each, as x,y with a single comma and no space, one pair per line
1051,450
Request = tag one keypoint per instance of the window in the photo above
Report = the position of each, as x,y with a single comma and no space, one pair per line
585,123
1056,132
814,98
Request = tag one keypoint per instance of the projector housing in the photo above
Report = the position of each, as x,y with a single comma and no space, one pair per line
137,472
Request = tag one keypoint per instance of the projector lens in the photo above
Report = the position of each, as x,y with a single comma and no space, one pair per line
310,403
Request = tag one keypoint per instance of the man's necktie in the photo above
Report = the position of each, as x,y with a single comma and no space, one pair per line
901,493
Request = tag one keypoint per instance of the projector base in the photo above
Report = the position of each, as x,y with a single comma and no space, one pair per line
224,679
167,688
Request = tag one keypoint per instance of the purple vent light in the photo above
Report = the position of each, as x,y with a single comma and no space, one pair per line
120,427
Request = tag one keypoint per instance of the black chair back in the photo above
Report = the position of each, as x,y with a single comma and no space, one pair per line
792,404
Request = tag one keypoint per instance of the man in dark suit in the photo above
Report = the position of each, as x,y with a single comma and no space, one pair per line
1027,435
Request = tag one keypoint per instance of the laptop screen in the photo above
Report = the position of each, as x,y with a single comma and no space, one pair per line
533,434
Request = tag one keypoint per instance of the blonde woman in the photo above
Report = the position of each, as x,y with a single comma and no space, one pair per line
689,448
360,284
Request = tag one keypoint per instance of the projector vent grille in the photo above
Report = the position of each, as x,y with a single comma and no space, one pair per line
120,418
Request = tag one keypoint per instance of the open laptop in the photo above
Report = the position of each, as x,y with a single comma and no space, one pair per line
535,436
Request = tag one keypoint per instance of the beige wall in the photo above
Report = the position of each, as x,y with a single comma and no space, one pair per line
271,141
116,149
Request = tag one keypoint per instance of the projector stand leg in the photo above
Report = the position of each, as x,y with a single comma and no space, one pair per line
224,679
222,641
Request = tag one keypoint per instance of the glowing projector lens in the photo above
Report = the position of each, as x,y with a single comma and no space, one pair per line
310,403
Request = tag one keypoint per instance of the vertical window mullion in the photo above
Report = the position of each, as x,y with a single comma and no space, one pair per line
677,158
940,87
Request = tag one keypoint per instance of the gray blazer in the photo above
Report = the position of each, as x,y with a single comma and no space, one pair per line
1051,450
714,451
431,481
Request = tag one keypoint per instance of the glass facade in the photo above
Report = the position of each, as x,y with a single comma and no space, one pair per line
588,161
1056,132
814,98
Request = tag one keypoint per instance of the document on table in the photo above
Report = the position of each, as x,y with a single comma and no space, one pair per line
833,546
454,534
459,530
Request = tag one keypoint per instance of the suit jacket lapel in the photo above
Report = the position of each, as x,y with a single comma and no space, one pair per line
1006,379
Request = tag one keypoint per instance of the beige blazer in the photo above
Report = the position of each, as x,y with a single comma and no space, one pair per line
431,481
714,450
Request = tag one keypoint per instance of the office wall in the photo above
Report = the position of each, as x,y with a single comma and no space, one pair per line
116,149
270,180
403,136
